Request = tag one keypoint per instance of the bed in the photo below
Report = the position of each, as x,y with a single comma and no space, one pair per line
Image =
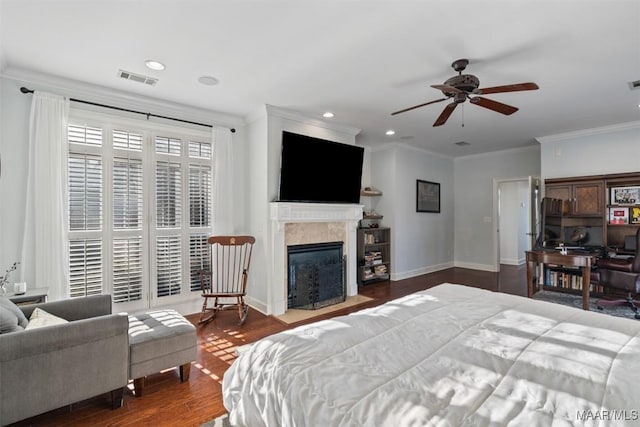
451,355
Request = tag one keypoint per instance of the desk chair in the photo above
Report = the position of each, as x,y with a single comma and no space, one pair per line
624,275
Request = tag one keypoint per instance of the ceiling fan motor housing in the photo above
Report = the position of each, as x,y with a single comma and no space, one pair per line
465,82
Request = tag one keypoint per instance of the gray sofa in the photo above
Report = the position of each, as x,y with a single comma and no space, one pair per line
47,368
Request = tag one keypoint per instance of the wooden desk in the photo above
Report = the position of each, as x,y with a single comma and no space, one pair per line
554,257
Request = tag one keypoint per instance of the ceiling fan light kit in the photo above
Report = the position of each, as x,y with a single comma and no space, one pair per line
459,88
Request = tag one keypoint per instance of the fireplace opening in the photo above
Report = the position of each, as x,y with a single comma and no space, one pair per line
316,275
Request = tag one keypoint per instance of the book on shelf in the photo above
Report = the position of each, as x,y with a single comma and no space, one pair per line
618,215
635,215
380,270
372,258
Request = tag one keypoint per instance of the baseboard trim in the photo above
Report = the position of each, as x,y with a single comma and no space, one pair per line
256,304
472,266
420,271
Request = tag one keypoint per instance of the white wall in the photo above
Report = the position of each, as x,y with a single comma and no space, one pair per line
611,149
258,211
474,198
513,221
14,149
524,203
508,222
264,142
421,241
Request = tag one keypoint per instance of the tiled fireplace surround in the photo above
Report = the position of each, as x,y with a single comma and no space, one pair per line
303,223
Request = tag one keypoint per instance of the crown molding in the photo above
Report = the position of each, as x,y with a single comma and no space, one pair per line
103,95
404,145
589,132
300,117
498,152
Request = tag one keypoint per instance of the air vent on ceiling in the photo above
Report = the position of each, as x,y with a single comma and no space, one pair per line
462,143
127,75
634,85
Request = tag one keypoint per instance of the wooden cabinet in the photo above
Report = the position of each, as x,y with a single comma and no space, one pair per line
583,198
622,216
590,203
374,254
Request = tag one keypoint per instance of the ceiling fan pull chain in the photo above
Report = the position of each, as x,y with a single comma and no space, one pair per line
462,115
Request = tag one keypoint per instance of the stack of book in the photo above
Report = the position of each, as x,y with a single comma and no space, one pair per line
372,258
380,270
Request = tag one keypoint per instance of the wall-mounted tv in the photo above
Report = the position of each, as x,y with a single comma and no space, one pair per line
319,171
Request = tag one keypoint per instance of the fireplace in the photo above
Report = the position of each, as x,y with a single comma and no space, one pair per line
315,275
309,223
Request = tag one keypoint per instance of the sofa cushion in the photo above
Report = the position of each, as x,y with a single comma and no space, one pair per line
40,318
12,319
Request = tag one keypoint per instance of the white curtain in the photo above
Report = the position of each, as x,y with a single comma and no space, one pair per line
44,250
223,197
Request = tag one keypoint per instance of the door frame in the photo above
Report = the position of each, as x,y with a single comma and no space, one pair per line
529,179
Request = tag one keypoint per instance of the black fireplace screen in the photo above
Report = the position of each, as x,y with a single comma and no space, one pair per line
316,275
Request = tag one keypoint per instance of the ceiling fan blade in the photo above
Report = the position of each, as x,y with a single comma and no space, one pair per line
444,116
507,88
493,105
446,88
417,106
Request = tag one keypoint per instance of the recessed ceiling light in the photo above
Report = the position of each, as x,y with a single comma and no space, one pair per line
154,65
208,80
328,114
390,132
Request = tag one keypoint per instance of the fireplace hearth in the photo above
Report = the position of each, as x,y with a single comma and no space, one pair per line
316,275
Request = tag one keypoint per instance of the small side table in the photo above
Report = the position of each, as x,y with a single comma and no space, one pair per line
32,296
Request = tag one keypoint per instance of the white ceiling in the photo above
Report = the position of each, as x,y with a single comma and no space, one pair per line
360,59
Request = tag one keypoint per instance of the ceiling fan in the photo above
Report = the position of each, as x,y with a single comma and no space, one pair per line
460,87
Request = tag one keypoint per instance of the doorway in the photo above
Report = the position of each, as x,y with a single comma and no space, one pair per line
516,216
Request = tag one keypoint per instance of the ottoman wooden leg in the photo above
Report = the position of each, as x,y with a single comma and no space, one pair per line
185,370
138,386
116,398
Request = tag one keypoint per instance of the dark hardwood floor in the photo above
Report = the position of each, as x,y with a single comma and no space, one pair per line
167,402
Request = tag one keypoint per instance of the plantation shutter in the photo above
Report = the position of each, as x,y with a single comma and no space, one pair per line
169,268
199,258
127,190
127,269
139,209
127,193
85,267
168,194
200,188
85,211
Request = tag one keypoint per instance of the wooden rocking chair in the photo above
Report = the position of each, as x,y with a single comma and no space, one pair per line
226,283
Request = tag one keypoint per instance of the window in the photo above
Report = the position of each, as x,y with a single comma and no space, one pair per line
139,209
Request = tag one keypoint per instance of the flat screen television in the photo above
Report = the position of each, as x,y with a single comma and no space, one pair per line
319,171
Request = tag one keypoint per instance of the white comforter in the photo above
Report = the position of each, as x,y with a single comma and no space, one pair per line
448,356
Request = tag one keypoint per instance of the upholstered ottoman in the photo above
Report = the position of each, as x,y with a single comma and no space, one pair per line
159,340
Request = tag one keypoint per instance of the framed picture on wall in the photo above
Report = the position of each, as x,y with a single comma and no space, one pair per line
427,196
625,195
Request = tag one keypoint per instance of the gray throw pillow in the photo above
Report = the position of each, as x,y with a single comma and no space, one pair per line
12,319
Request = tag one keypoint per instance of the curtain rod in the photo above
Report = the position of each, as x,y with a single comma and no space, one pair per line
26,90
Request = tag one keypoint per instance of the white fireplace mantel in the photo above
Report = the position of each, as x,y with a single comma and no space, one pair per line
282,213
